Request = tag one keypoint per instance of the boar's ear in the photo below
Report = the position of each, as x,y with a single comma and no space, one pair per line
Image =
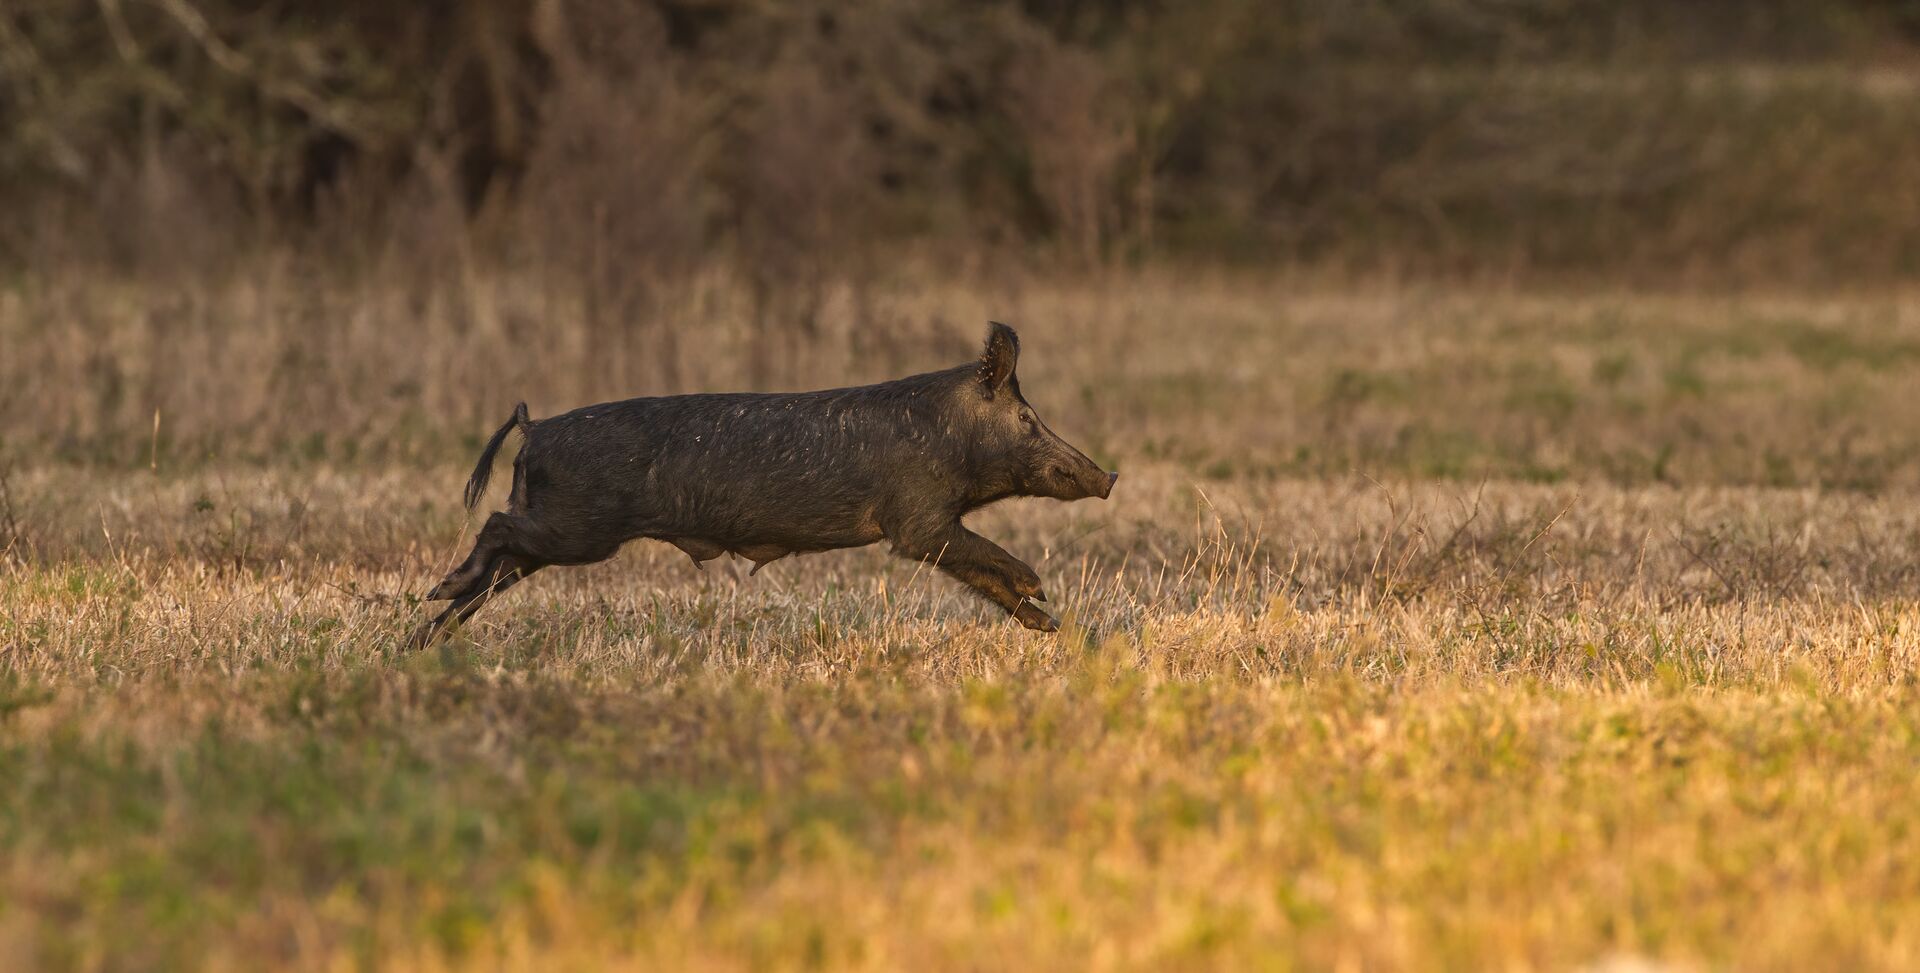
1003,352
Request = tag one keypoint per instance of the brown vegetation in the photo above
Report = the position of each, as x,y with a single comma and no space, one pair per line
1315,723
1700,141
1513,564
1229,374
1362,715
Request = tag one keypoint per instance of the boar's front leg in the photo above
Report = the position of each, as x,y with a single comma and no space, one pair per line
982,565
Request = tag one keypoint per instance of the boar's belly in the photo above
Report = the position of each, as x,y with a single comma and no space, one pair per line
696,548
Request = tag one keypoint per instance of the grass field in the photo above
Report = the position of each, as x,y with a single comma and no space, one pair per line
1428,628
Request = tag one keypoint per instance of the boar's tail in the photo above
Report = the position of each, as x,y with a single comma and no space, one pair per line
477,484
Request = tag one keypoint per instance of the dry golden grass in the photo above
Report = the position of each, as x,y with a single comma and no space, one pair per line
1356,710
1228,375
1292,724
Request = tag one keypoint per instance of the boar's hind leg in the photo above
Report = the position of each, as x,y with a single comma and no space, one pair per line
528,542
510,546
495,537
982,565
504,572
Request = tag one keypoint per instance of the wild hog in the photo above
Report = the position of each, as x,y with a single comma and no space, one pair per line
765,475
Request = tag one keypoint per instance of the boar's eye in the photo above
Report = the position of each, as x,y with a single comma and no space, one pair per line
1027,419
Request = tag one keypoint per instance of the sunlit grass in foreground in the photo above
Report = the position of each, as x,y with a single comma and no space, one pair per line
1291,725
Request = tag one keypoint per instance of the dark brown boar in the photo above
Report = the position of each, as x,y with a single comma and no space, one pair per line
768,475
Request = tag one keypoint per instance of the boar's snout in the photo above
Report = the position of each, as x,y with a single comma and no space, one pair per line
1100,484
1077,477
1086,479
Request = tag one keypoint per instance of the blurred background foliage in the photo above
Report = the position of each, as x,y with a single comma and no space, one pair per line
1717,139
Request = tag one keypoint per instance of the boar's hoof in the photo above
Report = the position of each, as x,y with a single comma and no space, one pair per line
450,586
1026,583
1034,618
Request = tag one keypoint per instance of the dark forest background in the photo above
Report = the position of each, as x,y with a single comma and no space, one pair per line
1712,139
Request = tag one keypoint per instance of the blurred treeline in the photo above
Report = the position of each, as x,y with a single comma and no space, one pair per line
1748,139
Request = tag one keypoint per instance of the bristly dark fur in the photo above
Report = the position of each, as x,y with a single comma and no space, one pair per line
765,475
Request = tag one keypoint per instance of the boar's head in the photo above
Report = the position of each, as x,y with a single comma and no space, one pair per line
1013,451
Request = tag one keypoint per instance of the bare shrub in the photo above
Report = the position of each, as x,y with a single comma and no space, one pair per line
1070,119
797,183
612,196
